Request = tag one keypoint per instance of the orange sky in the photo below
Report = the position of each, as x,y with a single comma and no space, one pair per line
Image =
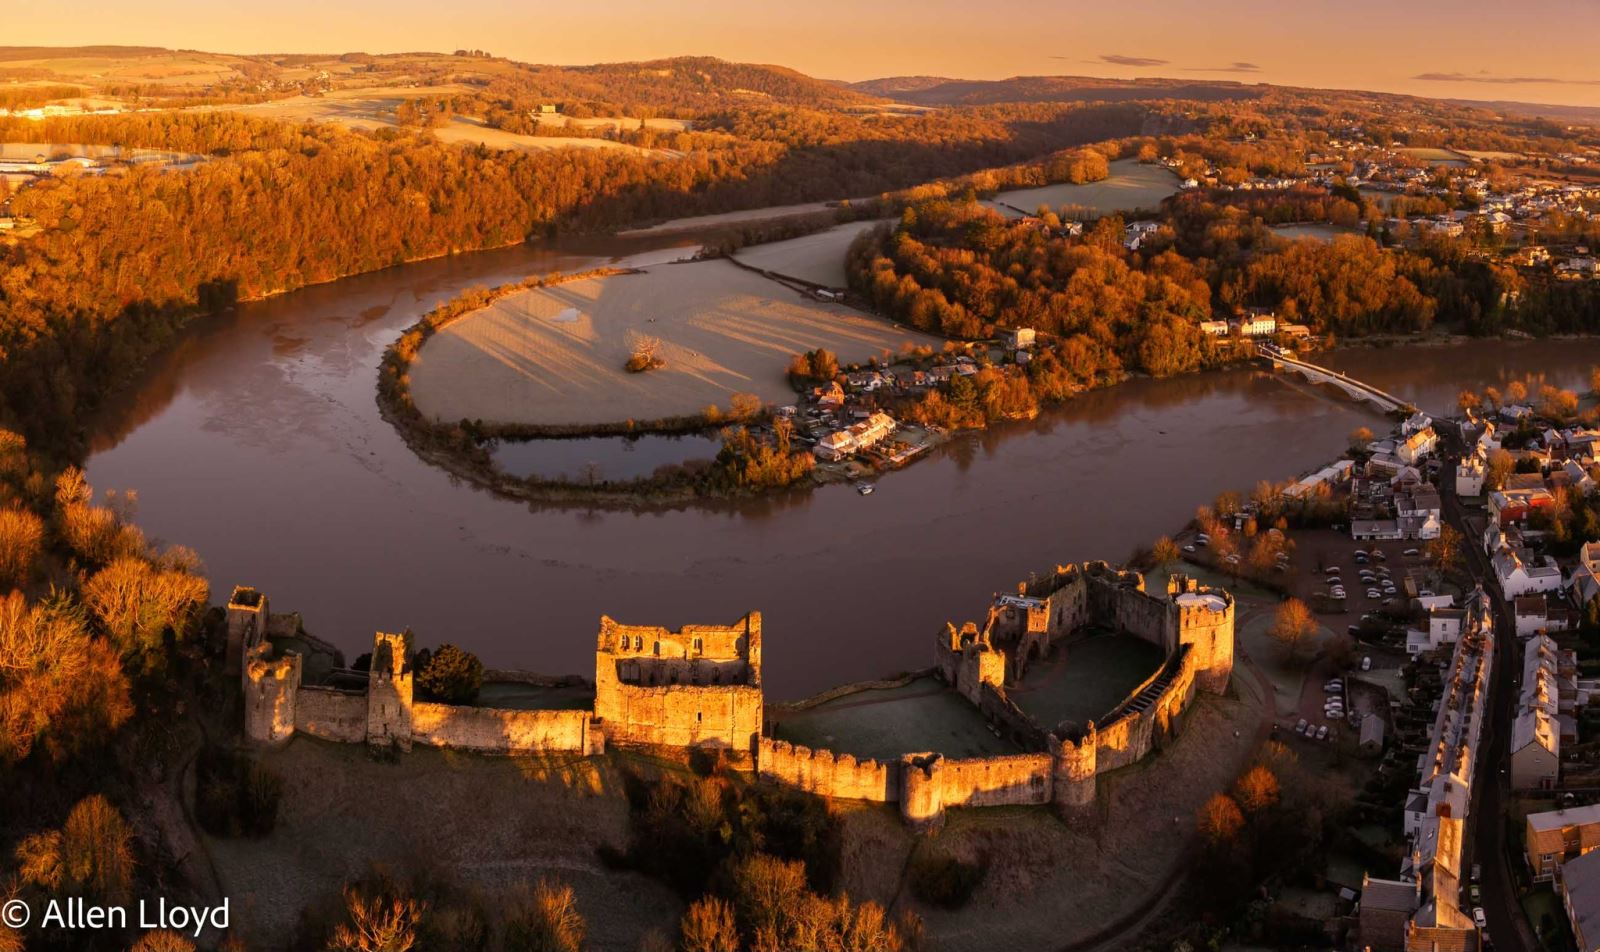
1529,50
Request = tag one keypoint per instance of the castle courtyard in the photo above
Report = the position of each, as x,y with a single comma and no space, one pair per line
883,723
1084,680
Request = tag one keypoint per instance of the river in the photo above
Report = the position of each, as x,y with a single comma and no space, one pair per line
257,442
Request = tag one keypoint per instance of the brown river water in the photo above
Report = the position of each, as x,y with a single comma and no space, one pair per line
257,442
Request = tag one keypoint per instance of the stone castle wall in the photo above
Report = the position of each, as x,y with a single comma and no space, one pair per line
331,714
725,718
826,774
499,730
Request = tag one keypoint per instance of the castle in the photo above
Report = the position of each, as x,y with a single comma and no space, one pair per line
699,688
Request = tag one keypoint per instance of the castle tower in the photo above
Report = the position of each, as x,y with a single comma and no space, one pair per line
1205,623
1073,782
247,624
921,790
389,690
271,686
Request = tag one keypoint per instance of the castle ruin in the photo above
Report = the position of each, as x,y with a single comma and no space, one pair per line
699,688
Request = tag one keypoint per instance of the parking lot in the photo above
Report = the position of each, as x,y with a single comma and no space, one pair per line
1370,619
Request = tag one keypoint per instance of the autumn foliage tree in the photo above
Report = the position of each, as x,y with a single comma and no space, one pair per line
1257,789
1293,627
1219,819
61,689
21,542
90,855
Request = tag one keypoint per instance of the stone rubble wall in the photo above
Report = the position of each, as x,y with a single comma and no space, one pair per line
492,730
331,714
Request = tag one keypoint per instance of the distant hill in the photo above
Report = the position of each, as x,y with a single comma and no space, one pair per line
704,82
938,91
13,53
1580,115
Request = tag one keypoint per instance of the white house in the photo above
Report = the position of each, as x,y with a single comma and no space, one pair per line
1444,627
1518,575
1417,446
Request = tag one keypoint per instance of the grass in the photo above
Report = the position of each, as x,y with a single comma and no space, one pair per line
532,697
884,723
1085,679
1131,186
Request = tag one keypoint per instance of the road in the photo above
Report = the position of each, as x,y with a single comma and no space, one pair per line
1487,843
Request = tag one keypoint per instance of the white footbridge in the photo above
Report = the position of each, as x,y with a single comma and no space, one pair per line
1284,361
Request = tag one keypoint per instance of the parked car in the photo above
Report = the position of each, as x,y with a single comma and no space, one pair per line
1189,547
1379,556
1322,733
1479,918
1413,552
1366,663
1334,684
1476,894
1300,728
1477,870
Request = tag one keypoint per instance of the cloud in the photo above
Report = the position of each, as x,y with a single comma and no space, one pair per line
1117,59
1239,67
1485,77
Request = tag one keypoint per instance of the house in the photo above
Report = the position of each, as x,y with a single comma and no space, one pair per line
1386,909
1535,614
856,438
1385,530
1419,513
830,397
1135,235
1257,322
1214,328
1519,575
1297,331
1557,836
1470,474
1415,423
1514,504
1020,339
1535,750
1443,628
1580,897
1371,743
1417,446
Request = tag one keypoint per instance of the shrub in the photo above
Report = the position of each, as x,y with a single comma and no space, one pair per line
943,880
451,675
234,795
545,920
379,917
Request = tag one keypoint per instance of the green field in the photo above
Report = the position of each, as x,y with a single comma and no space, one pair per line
1131,185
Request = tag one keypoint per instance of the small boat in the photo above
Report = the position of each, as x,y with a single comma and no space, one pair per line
865,489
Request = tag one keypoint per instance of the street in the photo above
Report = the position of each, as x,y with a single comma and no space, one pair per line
1487,843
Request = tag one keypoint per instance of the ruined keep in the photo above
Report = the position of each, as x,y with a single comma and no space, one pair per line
699,688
